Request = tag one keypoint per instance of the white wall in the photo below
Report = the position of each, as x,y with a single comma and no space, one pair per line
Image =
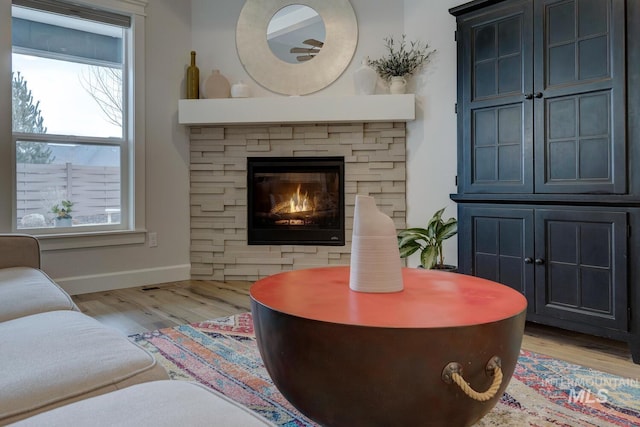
214,40
167,163
168,40
173,29
431,139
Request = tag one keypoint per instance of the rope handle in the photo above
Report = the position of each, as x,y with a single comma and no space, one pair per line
453,373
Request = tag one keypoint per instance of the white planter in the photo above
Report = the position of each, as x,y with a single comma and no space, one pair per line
398,85
63,222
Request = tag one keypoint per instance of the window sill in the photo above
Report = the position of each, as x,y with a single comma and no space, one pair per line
52,242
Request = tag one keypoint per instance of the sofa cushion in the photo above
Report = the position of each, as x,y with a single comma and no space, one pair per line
157,403
25,291
54,358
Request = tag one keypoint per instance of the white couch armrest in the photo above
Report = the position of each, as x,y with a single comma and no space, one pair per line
19,250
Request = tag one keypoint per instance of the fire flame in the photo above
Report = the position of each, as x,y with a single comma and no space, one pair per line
299,203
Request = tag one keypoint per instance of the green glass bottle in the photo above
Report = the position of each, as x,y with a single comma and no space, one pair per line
193,79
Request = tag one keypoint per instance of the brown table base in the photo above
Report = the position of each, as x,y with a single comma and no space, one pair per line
344,375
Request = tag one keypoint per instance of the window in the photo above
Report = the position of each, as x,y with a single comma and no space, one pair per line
73,136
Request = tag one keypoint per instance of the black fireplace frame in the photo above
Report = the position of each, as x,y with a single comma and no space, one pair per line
294,235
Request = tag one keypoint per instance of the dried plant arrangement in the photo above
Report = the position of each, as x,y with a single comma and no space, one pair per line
403,58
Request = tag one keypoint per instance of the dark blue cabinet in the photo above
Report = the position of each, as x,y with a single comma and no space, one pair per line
581,266
500,242
542,98
570,263
496,117
548,157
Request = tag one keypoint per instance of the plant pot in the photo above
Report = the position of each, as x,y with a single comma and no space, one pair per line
398,85
63,222
446,267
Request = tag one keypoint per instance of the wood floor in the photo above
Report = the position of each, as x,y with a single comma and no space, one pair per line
148,308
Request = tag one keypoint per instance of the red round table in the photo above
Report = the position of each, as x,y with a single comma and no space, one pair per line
349,358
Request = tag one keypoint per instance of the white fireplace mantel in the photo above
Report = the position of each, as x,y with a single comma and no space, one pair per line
297,109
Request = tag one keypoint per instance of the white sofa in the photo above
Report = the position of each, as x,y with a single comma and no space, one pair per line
61,367
158,404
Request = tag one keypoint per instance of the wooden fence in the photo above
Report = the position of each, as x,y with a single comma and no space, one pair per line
95,191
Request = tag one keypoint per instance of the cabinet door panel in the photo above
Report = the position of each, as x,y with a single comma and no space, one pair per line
494,119
496,57
580,117
498,145
577,40
583,274
579,140
509,74
494,243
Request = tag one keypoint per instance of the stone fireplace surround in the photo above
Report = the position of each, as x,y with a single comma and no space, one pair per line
375,165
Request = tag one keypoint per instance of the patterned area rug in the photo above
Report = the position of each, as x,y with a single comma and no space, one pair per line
223,355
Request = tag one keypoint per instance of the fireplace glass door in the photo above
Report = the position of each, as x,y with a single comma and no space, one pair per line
295,200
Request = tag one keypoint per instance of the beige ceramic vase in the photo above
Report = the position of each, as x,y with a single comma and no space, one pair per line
375,257
217,86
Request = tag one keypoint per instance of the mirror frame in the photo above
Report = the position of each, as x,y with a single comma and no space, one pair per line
265,68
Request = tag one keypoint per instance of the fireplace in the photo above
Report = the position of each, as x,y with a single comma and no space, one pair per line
295,201
374,164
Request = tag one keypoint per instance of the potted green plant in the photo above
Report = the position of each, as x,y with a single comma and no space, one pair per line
402,60
429,241
63,213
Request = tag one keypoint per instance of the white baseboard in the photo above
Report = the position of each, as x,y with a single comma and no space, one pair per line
124,279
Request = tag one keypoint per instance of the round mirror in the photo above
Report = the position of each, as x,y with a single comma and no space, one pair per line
326,59
296,34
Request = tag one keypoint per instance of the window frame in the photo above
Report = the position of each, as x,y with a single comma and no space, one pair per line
131,229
